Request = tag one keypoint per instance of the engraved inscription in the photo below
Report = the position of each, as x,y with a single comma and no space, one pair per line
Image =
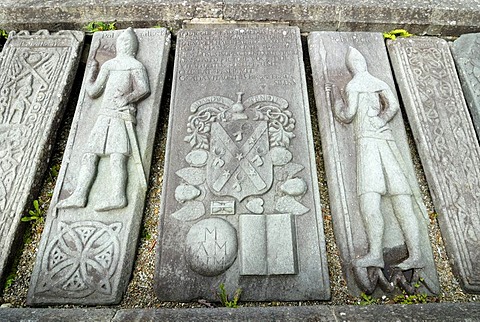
211,246
241,56
380,219
123,81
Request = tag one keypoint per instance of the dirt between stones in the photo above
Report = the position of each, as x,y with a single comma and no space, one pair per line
140,293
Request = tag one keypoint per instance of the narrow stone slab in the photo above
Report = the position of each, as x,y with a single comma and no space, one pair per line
36,75
379,218
447,145
240,187
465,53
89,242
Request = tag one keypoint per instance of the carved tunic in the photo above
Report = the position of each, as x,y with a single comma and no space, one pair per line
379,162
109,134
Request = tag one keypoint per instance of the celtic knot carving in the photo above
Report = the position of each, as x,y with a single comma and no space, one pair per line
81,259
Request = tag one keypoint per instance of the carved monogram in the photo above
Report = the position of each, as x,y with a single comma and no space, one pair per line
453,148
238,150
81,260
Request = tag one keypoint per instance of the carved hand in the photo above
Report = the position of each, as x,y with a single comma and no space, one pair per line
377,122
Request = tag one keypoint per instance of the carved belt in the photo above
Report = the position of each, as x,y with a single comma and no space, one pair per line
119,115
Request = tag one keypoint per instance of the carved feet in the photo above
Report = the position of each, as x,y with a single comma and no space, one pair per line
76,201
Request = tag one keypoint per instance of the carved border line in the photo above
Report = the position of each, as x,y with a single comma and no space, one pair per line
425,138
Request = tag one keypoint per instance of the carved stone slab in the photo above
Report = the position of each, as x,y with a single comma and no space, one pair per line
465,53
447,145
240,201
379,218
88,245
36,75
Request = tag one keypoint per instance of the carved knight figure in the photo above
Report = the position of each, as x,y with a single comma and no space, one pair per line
381,172
123,81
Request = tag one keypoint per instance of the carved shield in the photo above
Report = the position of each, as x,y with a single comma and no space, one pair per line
239,164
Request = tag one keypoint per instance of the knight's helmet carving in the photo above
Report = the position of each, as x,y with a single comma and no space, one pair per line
355,61
127,42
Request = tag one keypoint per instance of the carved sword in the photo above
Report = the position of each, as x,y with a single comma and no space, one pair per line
333,135
137,159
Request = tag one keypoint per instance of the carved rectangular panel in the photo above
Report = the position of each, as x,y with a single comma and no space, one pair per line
36,75
253,241
89,242
380,221
240,141
281,244
465,53
447,145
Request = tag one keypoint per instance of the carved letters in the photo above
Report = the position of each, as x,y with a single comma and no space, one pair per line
369,169
447,145
240,197
87,248
36,74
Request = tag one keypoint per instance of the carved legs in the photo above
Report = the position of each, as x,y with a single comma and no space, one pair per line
403,208
118,188
373,221
116,197
87,174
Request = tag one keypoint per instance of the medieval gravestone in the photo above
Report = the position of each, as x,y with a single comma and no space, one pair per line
36,75
240,202
447,146
465,53
87,249
380,221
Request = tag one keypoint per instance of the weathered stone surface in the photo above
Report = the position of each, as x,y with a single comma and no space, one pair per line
240,113
466,312
465,53
447,145
87,248
379,218
445,17
36,75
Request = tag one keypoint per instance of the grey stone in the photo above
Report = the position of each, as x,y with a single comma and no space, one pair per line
445,17
36,75
239,95
465,53
89,242
447,146
59,315
379,218
425,312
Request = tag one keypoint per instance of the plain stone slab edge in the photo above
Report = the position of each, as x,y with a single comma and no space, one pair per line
382,313
88,245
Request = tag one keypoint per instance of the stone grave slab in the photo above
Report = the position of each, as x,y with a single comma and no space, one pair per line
465,53
36,75
380,221
447,146
88,246
240,202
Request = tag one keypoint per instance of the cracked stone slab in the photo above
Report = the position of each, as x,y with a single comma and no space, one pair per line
36,75
240,202
380,221
465,53
447,145
88,246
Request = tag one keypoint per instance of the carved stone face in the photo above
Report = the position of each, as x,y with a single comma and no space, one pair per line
127,43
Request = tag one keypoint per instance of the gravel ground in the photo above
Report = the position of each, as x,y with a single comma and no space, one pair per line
140,292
